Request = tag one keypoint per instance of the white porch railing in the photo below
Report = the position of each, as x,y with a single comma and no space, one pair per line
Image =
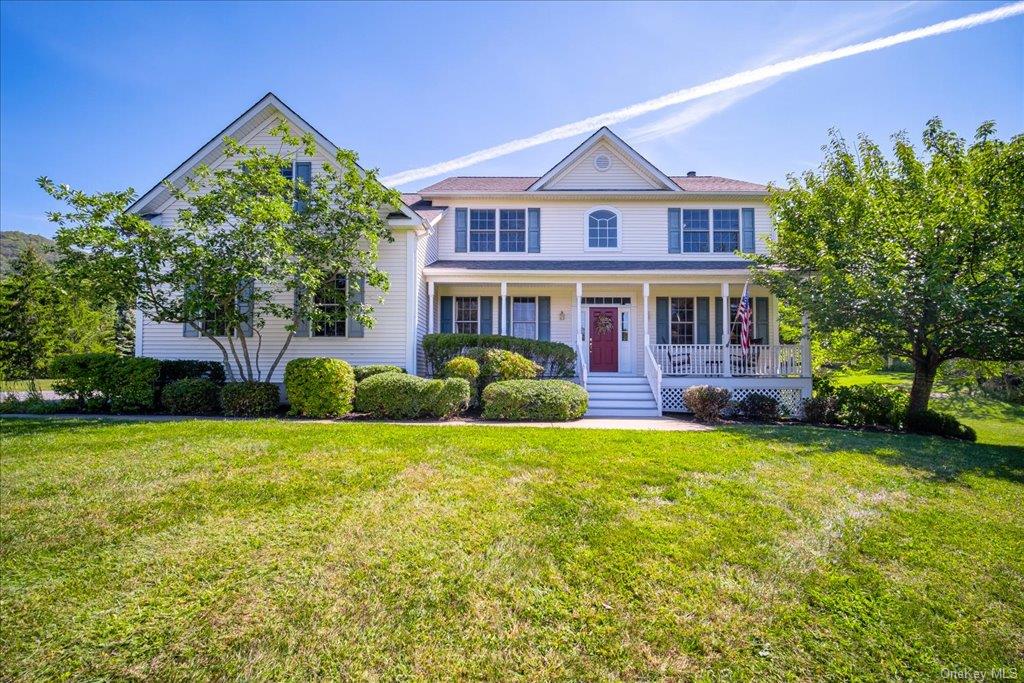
581,363
705,360
652,371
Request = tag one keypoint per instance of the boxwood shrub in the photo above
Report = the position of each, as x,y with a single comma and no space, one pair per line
250,399
555,358
400,396
757,406
319,387
192,396
80,376
364,371
173,370
933,422
537,400
707,403
122,384
466,368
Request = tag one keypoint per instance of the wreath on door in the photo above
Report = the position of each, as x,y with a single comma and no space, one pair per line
604,323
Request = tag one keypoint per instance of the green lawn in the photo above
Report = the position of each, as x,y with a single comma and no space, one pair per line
25,385
996,422
278,550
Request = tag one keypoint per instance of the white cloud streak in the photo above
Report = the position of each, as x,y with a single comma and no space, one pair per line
739,80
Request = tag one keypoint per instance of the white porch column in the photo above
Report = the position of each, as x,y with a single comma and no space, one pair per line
805,346
430,307
579,311
502,309
647,318
726,337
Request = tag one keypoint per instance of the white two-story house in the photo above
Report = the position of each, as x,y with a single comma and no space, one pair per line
640,272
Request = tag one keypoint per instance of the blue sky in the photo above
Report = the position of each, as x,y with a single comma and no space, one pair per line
106,96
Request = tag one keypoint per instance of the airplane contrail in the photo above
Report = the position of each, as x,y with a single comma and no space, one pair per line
738,80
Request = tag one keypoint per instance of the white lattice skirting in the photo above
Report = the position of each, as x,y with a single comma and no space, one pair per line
790,400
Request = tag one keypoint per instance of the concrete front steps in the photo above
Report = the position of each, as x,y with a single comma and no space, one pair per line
619,396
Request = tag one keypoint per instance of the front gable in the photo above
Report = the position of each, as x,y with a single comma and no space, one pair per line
604,162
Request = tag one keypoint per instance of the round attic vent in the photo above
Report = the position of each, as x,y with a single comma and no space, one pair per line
602,162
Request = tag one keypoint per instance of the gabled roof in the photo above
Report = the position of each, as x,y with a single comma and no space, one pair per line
251,119
698,184
604,136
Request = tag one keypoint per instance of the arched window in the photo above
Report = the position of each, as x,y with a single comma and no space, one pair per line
602,229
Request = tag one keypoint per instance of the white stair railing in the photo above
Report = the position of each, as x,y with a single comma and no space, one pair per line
652,371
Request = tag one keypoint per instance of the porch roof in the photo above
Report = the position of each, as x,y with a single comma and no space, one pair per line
587,265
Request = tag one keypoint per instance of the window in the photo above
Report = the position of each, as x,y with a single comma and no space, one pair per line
695,230
215,323
299,172
681,321
467,315
331,301
481,230
727,230
513,229
734,323
524,317
602,229
605,300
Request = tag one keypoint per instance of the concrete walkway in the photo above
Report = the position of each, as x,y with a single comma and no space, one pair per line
660,424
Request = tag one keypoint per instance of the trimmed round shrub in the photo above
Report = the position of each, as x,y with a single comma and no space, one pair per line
759,407
364,371
400,396
933,422
546,400
557,359
871,405
191,396
706,402
250,399
466,368
448,397
319,387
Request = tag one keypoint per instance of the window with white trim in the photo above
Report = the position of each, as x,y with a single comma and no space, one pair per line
695,230
682,320
524,317
329,299
481,230
299,172
467,315
512,224
602,229
726,230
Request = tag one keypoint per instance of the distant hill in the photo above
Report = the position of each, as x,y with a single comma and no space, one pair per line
12,242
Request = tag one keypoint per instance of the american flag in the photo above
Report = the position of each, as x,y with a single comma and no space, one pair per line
743,314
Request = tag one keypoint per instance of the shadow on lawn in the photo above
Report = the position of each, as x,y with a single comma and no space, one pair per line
944,460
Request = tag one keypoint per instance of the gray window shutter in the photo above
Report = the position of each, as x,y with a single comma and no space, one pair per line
357,295
461,229
703,320
533,230
718,320
508,315
303,328
761,319
674,238
486,315
447,314
244,306
544,318
748,230
661,320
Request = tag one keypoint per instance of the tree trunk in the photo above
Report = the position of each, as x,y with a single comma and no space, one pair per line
924,377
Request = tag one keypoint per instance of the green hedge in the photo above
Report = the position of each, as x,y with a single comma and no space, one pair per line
250,399
535,400
191,396
99,381
400,396
940,424
556,359
319,387
173,370
364,371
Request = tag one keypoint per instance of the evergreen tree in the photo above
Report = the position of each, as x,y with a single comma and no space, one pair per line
28,318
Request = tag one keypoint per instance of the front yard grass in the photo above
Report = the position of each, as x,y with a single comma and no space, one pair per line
274,550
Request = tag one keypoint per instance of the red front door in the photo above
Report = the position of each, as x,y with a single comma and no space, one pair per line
604,340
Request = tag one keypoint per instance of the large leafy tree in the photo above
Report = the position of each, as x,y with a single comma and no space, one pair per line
246,238
922,254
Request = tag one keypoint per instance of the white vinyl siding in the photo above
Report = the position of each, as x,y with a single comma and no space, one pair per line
621,175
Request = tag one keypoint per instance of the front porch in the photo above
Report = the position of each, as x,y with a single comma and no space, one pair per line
673,331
